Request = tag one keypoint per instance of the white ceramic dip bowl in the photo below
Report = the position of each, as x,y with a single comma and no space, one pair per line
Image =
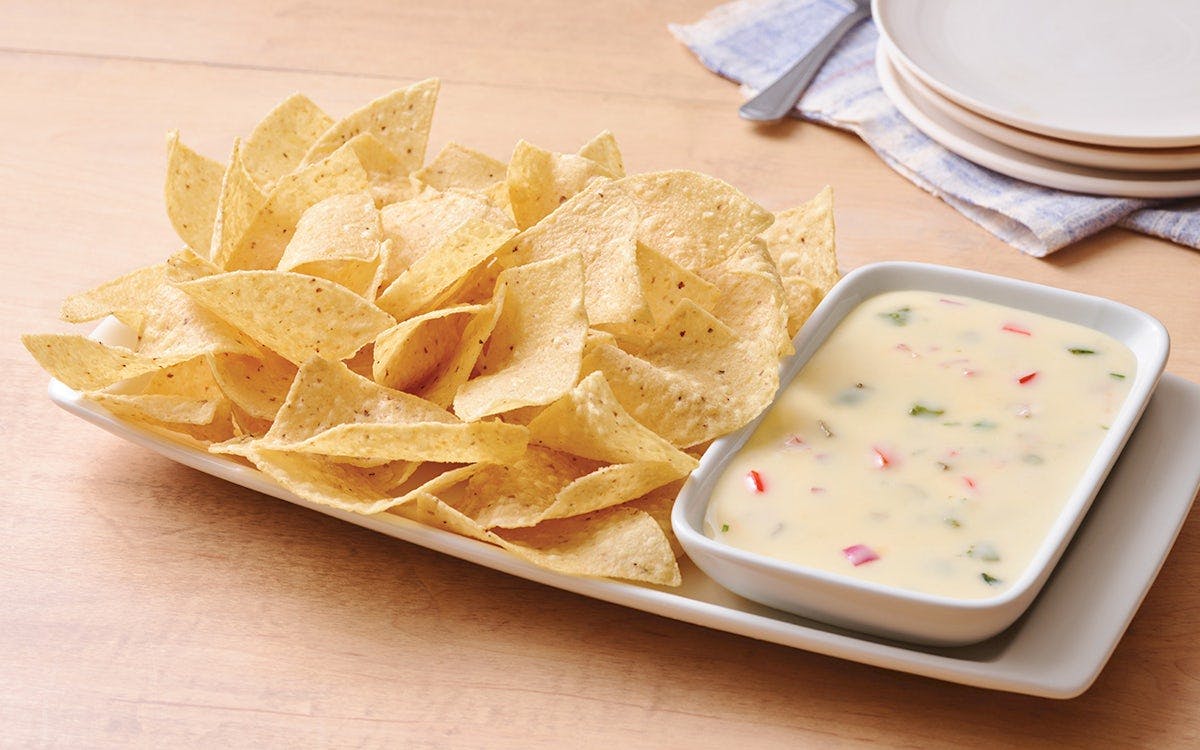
892,611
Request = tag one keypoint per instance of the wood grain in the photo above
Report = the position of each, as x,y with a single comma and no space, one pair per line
148,605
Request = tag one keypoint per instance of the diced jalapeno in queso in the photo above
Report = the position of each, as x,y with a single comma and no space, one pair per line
929,444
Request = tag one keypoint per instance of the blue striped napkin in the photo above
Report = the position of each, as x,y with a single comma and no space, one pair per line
754,41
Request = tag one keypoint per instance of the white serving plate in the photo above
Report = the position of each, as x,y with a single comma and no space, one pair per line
1072,152
1109,72
1056,650
886,610
978,148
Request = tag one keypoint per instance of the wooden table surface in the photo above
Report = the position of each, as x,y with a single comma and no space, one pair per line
146,604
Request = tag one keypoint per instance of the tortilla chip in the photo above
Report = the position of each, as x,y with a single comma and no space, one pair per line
589,421
192,192
419,226
294,315
366,490
603,150
326,394
387,173
125,297
695,220
158,408
266,238
431,280
517,494
618,543
801,244
86,365
539,181
186,265
696,380
239,204
457,166
337,239
177,328
410,355
258,385
278,143
534,353
400,120
601,226
751,297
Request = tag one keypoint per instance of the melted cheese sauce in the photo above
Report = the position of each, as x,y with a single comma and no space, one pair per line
939,435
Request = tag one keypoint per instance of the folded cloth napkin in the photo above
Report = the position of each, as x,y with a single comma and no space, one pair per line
754,41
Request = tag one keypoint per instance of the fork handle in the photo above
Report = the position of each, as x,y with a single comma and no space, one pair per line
778,99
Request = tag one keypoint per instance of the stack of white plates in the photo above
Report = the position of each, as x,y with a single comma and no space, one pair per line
1093,96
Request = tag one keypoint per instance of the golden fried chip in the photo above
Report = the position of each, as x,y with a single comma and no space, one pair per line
618,543
539,181
801,244
186,265
534,353
696,380
400,119
86,365
601,226
239,204
387,173
192,378
410,355
665,284
325,394
267,236
695,220
457,166
432,279
258,385
158,408
366,490
452,374
192,192
278,143
603,150
751,297
334,412
590,421
517,494
337,239
177,328
125,297
609,486
294,315
419,226
442,442
658,504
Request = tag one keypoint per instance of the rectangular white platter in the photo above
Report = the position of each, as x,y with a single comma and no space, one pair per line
1056,650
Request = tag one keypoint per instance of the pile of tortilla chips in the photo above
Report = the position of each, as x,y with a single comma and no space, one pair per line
530,354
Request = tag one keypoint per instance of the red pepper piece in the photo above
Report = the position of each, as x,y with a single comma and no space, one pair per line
1026,378
1015,329
859,554
754,481
882,459
969,482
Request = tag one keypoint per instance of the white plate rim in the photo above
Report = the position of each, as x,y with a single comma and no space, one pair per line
880,14
1073,152
984,151
1029,658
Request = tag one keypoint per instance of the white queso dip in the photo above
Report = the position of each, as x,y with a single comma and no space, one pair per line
929,444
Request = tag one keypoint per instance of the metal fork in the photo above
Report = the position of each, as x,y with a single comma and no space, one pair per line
775,101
